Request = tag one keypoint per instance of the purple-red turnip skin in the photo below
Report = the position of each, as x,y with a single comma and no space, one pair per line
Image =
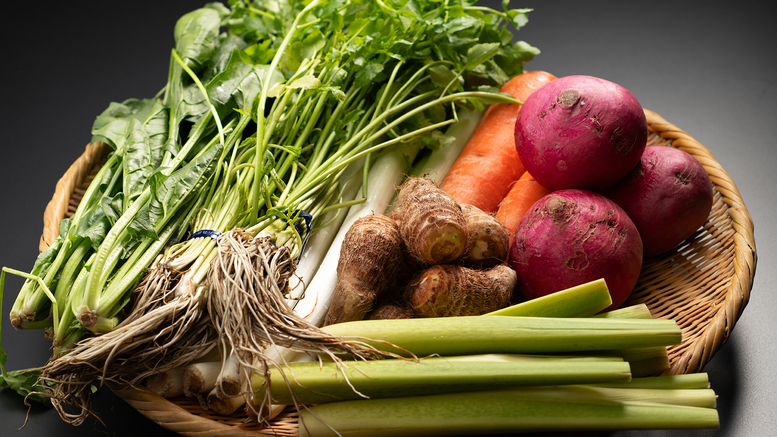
580,132
570,237
668,196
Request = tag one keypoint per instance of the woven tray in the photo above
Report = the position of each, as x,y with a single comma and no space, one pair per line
704,285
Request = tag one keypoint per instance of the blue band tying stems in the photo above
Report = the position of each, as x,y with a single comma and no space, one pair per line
205,233
308,218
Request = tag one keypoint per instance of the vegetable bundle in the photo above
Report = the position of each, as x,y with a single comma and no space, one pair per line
263,132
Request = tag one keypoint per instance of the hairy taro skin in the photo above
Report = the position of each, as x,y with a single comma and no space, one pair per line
488,239
580,132
571,237
668,196
369,262
432,224
450,290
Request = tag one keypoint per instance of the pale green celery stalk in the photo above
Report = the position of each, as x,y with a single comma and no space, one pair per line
470,335
306,383
686,381
588,300
696,397
497,412
637,311
580,301
647,361
436,165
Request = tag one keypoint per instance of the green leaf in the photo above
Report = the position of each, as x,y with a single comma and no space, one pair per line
169,195
370,72
442,76
305,49
258,54
304,82
111,125
518,17
25,382
152,114
220,58
480,53
239,84
196,36
137,163
97,221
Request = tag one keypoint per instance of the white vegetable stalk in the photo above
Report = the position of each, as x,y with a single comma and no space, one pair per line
200,378
436,165
167,384
224,406
322,239
386,173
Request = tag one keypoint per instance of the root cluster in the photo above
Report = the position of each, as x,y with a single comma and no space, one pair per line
242,310
248,284
162,331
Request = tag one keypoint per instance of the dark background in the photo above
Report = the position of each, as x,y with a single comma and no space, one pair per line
707,67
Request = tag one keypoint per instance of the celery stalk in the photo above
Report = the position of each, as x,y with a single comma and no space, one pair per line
306,383
500,411
688,397
579,301
682,381
645,361
471,335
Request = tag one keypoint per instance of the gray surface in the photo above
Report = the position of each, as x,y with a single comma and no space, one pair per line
707,67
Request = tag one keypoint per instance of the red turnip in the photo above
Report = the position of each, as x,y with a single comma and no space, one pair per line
668,196
580,132
570,237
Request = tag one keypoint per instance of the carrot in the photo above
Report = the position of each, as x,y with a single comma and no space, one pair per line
489,163
519,199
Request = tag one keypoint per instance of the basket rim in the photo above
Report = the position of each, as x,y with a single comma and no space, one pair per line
745,257
171,416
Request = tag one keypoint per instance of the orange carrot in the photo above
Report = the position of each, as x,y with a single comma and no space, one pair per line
489,164
521,197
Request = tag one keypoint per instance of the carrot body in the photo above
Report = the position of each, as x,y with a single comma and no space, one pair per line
489,163
519,199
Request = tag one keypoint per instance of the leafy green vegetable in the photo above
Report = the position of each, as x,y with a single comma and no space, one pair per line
266,104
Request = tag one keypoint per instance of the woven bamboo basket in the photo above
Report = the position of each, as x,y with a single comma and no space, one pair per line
704,285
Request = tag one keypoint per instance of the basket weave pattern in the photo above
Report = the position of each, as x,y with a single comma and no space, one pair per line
704,285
